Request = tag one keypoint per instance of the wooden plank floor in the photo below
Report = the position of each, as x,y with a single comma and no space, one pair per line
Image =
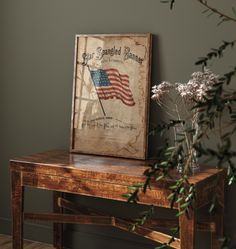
6,243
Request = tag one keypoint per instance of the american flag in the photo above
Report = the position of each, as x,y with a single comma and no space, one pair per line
111,84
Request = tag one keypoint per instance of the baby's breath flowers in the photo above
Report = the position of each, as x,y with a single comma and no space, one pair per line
178,100
196,89
159,91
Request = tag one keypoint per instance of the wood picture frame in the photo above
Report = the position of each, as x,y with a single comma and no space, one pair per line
111,95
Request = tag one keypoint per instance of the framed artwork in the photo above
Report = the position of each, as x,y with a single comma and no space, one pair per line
111,95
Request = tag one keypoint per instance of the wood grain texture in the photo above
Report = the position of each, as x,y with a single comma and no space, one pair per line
203,226
6,243
109,169
17,208
104,221
108,178
148,233
94,188
57,227
187,225
217,215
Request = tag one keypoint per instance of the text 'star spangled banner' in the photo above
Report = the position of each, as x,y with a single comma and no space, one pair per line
111,84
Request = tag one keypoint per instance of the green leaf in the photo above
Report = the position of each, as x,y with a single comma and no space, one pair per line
212,207
201,61
132,188
181,190
173,187
189,197
127,195
180,213
171,148
179,199
186,204
138,185
163,163
171,196
159,177
191,188
231,180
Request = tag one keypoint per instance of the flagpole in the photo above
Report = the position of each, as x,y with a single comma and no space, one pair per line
96,90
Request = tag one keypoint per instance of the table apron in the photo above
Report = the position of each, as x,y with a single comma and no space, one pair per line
156,197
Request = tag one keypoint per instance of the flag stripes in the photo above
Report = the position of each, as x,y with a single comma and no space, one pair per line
111,84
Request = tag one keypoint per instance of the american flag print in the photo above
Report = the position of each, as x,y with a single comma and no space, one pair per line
111,84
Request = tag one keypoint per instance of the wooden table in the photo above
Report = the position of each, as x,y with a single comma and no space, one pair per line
108,177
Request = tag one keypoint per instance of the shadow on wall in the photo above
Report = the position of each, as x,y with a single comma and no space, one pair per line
155,114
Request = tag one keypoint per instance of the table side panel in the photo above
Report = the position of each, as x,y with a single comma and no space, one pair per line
106,177
72,172
119,174
157,197
206,190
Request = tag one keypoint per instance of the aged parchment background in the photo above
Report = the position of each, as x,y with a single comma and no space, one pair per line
110,127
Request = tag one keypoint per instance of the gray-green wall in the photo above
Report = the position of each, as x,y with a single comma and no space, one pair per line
36,68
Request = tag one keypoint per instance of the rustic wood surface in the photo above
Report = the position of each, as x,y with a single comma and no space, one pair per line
108,178
217,216
187,230
17,209
57,227
6,243
117,170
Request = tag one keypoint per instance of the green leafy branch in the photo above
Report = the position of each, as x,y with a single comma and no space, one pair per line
146,215
222,16
174,232
217,103
214,107
183,194
228,77
215,53
165,127
167,158
224,156
226,243
171,2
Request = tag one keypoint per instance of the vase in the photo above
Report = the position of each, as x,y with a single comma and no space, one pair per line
194,166
187,158
190,168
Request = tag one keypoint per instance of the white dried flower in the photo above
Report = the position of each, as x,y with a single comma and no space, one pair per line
205,81
196,89
198,86
183,90
160,90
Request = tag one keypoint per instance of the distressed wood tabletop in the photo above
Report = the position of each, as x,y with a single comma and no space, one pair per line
109,178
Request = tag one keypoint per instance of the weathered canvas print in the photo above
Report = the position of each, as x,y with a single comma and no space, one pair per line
111,95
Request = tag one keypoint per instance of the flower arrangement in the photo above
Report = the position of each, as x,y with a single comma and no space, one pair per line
197,108
178,101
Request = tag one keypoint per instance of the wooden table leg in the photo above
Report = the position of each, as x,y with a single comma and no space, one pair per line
57,227
17,198
187,230
218,216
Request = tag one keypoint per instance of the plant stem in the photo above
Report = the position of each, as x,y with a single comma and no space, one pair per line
186,137
221,14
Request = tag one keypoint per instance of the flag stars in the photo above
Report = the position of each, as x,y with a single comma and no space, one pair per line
100,78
